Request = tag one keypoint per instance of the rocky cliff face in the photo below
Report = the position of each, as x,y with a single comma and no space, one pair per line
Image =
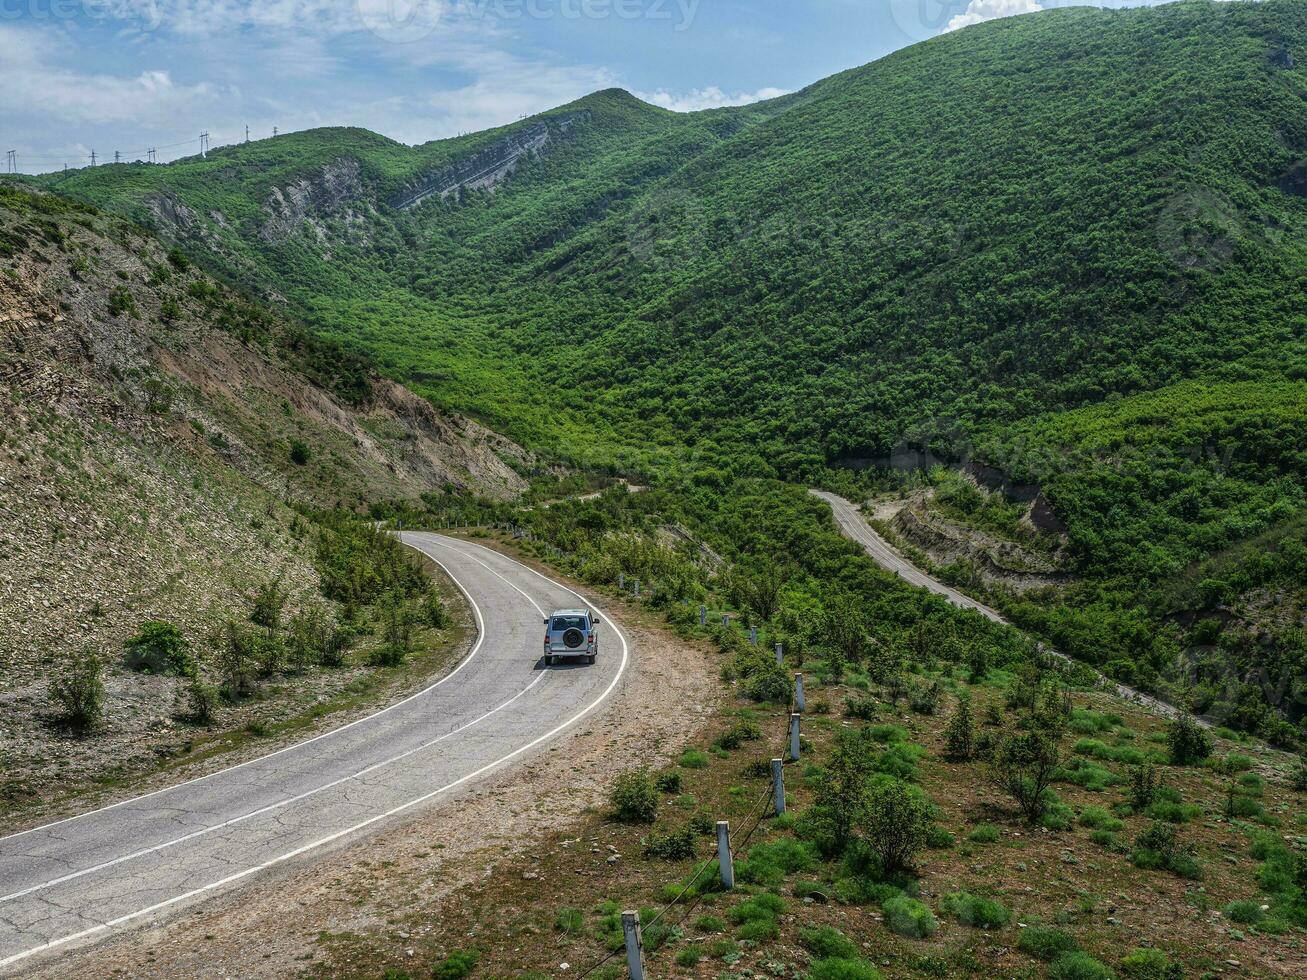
488,168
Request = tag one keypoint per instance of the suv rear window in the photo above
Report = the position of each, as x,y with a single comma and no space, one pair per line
561,623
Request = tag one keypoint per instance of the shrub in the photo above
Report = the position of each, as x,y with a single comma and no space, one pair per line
676,846
1144,786
1151,964
924,700
268,605
825,942
668,782
860,706
1188,741
764,906
1159,846
693,759
771,684
737,735
1023,765
689,956
299,452
201,701
959,736
908,917
456,965
1244,911
78,690
709,923
1058,816
570,921
974,910
769,863
122,301
1099,819
896,819
1079,966
634,797
837,968
1046,943
161,649
984,833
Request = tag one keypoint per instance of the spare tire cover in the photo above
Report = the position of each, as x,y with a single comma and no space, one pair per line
573,638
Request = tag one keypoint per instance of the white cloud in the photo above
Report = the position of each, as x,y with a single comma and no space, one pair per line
979,11
36,84
711,97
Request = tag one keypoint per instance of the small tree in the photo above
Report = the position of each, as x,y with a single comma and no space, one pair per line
959,736
1144,785
299,452
201,701
237,661
1023,766
78,690
896,818
269,603
1188,741
842,795
845,629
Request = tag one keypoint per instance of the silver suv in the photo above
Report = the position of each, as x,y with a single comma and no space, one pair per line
571,633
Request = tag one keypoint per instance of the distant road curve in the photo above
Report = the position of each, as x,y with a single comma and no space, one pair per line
79,879
854,527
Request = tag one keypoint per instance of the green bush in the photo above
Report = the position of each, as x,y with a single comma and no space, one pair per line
678,845
1159,846
300,453
709,923
764,906
634,797
201,701
689,956
895,821
159,648
1099,819
737,735
825,942
1079,966
974,910
984,833
1188,741
1151,964
1046,943
769,863
771,684
77,690
693,759
456,965
837,968
570,921
908,917
759,930
668,782
1244,911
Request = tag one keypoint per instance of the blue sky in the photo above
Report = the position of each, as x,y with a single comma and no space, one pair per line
126,75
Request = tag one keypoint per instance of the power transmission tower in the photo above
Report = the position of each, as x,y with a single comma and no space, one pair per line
274,130
204,145
116,157
151,154
11,160
247,134
92,158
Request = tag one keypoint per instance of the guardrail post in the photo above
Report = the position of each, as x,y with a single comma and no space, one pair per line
724,854
778,784
794,735
726,619
780,654
703,615
621,580
799,702
753,635
634,944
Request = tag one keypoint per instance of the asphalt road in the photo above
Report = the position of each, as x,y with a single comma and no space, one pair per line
854,527
79,879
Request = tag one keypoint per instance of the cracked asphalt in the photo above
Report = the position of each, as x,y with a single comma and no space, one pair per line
76,880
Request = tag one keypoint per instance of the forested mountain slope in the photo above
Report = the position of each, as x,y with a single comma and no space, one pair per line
1086,211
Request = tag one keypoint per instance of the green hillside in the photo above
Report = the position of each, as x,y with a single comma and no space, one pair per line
947,249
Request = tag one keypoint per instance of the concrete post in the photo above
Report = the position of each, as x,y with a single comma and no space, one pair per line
724,854
703,615
621,580
794,736
778,784
753,635
726,619
634,944
799,703
780,654
637,588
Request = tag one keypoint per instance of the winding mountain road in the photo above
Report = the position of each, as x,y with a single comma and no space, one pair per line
79,879
853,526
